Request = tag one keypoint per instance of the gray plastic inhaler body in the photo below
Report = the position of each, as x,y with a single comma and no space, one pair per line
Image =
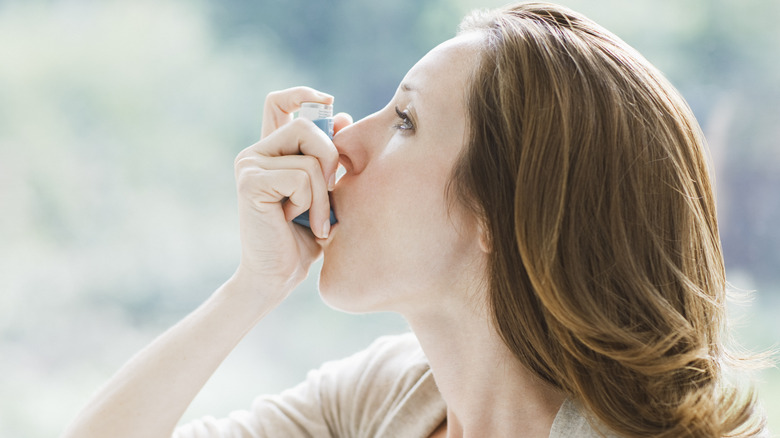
322,116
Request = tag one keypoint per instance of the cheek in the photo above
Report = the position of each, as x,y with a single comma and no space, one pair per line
406,208
395,241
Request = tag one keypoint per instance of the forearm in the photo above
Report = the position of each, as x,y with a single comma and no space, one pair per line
149,394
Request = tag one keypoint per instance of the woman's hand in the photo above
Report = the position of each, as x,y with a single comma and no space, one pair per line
284,174
287,172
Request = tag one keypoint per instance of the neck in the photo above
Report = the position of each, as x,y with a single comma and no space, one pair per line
487,391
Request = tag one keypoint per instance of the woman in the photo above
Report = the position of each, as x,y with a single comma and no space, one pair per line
534,200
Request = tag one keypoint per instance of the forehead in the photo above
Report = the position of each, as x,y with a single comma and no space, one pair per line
441,75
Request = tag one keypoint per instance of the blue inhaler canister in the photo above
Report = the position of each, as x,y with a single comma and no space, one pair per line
322,116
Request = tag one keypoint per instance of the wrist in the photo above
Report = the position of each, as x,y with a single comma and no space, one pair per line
253,292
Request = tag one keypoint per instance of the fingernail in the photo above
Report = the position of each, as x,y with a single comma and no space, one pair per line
332,183
326,229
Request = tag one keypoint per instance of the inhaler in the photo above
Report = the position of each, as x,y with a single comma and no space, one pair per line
322,116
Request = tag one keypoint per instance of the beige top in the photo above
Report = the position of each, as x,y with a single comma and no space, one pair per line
387,390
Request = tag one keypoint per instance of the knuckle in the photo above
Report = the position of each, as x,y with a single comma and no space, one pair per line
274,95
332,155
302,179
243,163
311,164
248,181
302,124
241,155
240,161
248,152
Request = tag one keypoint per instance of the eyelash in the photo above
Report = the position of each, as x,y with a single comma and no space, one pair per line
406,123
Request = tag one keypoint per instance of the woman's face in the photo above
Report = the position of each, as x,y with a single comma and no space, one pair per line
397,242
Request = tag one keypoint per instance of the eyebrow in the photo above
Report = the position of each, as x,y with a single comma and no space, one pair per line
408,88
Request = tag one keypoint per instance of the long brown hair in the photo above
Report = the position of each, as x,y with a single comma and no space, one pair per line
588,172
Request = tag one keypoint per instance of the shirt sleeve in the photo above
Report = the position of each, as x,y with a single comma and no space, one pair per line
346,398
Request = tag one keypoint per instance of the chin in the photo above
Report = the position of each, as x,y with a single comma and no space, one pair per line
346,290
336,292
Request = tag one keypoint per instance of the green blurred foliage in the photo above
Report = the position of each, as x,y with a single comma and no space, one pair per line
119,122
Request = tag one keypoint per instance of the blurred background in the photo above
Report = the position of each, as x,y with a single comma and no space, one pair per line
119,123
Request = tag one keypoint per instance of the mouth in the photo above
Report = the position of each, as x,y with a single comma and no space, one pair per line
333,206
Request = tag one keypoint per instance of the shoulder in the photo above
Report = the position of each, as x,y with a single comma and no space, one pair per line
398,389
375,392
385,390
387,358
365,390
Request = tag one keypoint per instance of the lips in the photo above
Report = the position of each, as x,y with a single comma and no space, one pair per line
333,205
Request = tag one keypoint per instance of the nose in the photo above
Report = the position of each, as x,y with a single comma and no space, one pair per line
358,142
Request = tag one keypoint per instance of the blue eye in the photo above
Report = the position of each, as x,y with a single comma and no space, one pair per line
405,123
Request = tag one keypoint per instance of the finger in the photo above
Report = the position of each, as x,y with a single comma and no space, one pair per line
299,137
265,189
280,105
316,201
341,121
319,207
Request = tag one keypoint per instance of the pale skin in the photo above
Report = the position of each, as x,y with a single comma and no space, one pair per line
398,246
